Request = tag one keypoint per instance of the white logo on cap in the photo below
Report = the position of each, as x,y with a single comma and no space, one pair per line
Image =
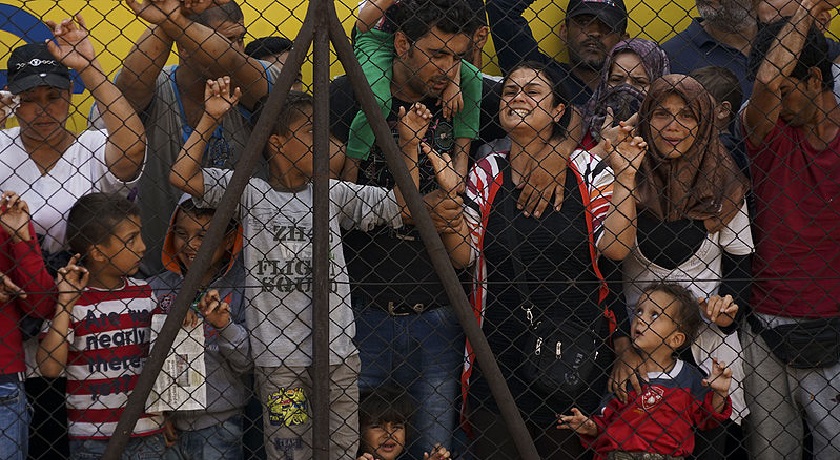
36,62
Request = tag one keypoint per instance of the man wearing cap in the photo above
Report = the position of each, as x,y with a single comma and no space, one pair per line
591,29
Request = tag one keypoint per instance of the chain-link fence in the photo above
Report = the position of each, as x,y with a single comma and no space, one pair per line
479,229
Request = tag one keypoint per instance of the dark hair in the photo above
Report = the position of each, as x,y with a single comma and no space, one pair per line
814,53
297,103
687,315
94,217
189,207
226,12
384,404
558,91
416,18
721,83
268,46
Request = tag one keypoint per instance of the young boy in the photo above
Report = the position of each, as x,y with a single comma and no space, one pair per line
215,432
374,48
276,216
383,418
676,399
100,332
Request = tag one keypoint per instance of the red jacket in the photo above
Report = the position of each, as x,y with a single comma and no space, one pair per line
24,264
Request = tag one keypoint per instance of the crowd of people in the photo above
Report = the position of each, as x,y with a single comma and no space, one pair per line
647,234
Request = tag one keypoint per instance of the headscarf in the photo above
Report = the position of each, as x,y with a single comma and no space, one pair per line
656,64
702,184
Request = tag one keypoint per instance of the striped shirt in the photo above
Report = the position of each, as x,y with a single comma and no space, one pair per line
109,343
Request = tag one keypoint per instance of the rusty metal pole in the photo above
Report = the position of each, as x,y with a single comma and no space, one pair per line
136,403
320,371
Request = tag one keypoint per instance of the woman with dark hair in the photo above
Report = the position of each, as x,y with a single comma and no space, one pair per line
693,227
630,68
552,260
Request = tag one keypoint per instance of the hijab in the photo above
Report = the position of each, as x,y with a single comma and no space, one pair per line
702,184
656,64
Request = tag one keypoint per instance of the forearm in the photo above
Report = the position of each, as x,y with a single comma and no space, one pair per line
458,246
142,66
31,275
186,172
213,51
719,401
126,147
53,349
782,57
409,150
619,233
511,33
372,13
235,348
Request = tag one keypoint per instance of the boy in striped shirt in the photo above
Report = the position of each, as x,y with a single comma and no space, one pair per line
100,332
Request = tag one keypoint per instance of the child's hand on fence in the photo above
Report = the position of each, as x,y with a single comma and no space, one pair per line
577,422
452,100
413,124
720,378
70,282
72,46
447,177
9,290
14,217
438,453
366,456
219,97
720,310
215,311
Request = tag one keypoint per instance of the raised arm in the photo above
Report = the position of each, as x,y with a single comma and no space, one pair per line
126,146
619,234
371,12
765,105
53,348
142,66
511,33
206,47
186,173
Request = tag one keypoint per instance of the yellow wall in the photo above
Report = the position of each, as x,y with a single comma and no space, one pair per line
114,27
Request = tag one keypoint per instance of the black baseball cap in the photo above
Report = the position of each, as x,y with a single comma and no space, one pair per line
611,12
33,65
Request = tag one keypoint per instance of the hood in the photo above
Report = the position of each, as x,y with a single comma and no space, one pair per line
168,256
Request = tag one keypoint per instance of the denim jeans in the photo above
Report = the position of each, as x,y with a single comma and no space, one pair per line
422,353
145,448
14,421
222,441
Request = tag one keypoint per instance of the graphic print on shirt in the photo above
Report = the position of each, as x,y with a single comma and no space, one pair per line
287,267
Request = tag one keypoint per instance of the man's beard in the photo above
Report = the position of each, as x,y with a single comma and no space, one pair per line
731,15
588,60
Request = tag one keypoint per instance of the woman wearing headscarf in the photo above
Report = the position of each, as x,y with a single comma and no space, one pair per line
630,68
692,227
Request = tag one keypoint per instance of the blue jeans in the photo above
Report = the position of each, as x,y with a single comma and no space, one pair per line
222,441
423,353
145,448
14,421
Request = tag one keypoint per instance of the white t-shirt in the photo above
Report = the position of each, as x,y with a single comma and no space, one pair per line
81,170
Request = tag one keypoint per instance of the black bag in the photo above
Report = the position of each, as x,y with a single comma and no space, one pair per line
805,345
562,356
560,353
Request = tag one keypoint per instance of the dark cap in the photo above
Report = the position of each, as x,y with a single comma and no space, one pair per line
32,65
268,46
611,12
